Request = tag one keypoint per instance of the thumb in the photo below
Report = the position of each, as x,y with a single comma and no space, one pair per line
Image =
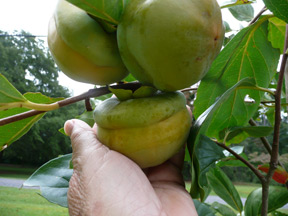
83,137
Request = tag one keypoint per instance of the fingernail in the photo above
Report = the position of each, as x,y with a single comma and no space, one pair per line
68,127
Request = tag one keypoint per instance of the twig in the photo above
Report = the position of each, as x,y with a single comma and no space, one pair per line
257,16
267,145
88,104
89,94
263,139
189,89
247,163
275,144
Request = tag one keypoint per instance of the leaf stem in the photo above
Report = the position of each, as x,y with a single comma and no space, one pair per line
89,94
259,89
257,16
30,105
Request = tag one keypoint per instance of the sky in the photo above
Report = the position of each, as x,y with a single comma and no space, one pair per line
33,16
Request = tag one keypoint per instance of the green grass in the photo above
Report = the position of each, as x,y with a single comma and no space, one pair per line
27,202
13,171
243,189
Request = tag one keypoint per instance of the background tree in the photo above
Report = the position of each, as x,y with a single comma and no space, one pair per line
27,63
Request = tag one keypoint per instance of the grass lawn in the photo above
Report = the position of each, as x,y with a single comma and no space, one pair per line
26,202
14,171
243,189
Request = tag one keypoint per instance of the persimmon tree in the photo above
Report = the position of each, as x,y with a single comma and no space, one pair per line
248,79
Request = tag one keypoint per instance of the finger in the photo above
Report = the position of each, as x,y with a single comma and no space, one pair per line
83,138
178,159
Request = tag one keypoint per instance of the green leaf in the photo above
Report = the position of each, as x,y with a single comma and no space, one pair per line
248,54
61,130
278,213
222,209
122,94
231,3
199,129
227,27
126,94
110,11
129,78
104,97
207,153
238,134
87,117
224,188
13,131
279,8
40,98
278,197
8,93
144,91
53,179
242,12
232,161
276,33
203,209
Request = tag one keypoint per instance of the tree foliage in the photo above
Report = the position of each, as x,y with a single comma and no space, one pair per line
27,63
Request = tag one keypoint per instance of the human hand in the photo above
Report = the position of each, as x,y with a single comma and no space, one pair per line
106,183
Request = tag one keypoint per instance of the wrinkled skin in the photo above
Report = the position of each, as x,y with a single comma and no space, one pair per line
148,130
82,49
170,44
106,183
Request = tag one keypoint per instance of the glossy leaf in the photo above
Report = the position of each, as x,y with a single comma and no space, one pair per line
223,209
207,153
53,179
280,175
87,117
278,197
279,8
238,134
203,209
276,33
110,11
248,54
199,129
224,188
13,131
242,12
8,93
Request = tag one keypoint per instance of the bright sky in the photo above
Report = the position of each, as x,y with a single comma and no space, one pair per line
33,16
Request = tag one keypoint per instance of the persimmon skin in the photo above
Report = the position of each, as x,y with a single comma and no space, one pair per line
170,44
153,138
82,49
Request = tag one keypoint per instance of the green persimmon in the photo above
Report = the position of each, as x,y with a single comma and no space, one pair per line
147,130
170,44
82,49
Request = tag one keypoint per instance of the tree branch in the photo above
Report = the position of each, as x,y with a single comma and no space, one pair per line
275,144
89,94
247,163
